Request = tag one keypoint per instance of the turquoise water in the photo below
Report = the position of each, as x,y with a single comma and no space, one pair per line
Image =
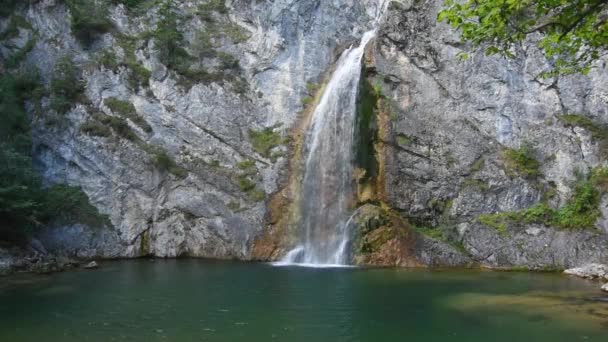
196,300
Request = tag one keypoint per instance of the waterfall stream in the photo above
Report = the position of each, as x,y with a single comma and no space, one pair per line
328,189
328,183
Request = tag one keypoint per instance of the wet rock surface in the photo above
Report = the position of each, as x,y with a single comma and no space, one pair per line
18,260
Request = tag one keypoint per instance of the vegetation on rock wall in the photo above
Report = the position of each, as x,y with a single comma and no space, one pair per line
247,171
573,32
25,204
14,24
67,86
174,50
265,140
16,59
366,130
127,110
138,76
522,161
581,211
89,19
599,132
7,7
164,162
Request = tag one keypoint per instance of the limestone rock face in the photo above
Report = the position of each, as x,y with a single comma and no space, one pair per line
214,208
452,121
442,150
591,271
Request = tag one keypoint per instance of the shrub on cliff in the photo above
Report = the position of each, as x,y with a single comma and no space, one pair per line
580,211
263,141
127,110
89,19
25,203
66,85
522,161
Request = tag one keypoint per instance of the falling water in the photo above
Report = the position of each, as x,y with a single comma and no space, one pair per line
328,184
327,187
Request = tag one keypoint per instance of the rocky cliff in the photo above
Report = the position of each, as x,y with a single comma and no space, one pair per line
187,146
477,147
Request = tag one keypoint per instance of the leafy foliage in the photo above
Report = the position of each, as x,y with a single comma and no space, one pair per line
164,162
598,132
12,29
108,59
581,211
89,19
265,140
139,76
206,10
170,42
575,32
127,110
24,203
130,4
16,59
95,129
7,7
66,85
522,161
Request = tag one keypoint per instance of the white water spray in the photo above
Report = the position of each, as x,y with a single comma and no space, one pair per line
328,185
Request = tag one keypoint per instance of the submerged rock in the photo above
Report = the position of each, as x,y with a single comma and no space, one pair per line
591,271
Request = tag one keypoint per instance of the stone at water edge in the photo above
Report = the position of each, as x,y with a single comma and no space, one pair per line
91,265
591,271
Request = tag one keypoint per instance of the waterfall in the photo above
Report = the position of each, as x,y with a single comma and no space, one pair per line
328,189
328,182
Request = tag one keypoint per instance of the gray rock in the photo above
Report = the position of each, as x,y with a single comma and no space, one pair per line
451,121
91,265
444,165
290,44
591,271
605,287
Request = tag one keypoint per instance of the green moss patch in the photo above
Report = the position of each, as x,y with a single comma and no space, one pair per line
89,19
598,131
138,76
12,29
366,130
15,60
522,161
127,110
263,141
164,162
581,211
67,87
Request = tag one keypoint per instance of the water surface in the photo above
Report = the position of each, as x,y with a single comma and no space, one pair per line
196,300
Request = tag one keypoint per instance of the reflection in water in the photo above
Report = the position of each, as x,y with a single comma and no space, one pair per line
193,300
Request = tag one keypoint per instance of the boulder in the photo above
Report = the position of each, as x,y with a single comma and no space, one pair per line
591,271
91,265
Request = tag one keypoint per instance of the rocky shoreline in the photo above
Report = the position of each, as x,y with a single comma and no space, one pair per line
35,259
591,271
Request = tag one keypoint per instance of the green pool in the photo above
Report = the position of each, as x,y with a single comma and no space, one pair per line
197,300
